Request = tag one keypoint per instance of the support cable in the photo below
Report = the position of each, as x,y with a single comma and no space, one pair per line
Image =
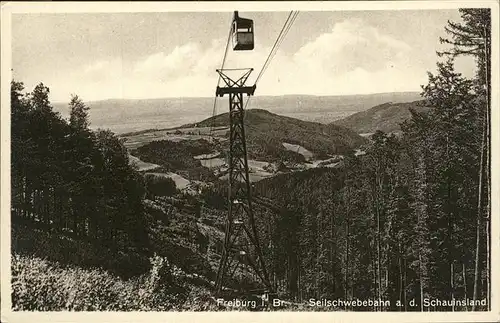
287,29
214,109
239,155
279,40
274,46
292,16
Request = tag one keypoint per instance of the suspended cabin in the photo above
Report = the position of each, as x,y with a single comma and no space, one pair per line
242,33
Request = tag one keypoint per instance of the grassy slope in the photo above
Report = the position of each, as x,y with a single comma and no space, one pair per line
70,288
385,117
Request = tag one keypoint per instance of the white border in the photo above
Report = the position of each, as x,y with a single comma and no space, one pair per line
78,7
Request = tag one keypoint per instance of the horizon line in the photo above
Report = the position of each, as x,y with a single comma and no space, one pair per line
211,97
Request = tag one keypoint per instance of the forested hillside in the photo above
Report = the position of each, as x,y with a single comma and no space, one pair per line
408,220
89,232
178,156
266,132
73,181
386,117
411,218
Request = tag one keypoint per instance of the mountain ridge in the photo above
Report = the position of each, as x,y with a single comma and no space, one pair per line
404,93
385,117
123,116
264,128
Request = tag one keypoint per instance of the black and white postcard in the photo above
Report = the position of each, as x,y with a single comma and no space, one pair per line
167,160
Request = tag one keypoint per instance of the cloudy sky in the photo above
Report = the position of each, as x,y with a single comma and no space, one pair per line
150,55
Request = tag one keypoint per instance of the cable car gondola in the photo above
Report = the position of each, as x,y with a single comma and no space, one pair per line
242,30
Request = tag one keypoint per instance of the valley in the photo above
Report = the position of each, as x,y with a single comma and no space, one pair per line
276,145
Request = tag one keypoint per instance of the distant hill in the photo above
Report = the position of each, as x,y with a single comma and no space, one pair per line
128,115
385,117
266,132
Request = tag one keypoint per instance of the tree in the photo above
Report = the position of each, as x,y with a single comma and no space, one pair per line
21,148
79,117
39,98
157,185
71,181
472,37
81,165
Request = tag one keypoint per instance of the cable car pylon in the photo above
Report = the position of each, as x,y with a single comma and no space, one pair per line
241,243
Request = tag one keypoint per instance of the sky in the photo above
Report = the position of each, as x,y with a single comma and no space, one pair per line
175,54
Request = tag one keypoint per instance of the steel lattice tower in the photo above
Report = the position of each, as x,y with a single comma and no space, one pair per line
241,243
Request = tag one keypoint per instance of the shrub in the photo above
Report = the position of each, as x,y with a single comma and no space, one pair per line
157,185
45,286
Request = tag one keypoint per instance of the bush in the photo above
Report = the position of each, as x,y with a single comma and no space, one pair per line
215,196
40,285
157,185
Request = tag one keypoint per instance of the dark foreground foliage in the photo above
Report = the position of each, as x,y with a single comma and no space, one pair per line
46,286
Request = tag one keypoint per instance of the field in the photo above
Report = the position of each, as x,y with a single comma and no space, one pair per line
136,139
299,149
141,165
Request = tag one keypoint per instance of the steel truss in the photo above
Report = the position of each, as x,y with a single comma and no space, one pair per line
241,243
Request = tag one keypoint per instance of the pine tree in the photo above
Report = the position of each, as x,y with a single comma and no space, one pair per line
66,178
21,148
472,37
79,116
